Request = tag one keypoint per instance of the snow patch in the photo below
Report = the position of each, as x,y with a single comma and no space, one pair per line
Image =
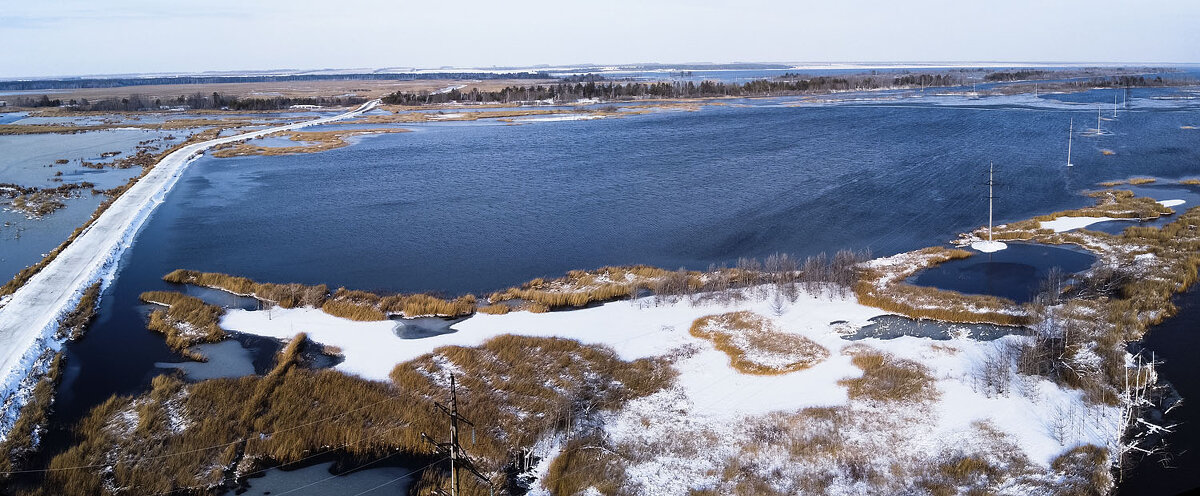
1171,203
988,246
1063,224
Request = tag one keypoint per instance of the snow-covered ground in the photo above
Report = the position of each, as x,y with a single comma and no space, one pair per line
30,316
1063,224
713,400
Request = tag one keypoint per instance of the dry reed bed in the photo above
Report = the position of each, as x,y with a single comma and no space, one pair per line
22,440
1119,204
186,436
311,142
756,346
350,304
187,321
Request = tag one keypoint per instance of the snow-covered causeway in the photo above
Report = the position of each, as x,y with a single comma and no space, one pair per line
30,316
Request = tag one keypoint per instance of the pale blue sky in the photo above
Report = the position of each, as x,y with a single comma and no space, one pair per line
72,37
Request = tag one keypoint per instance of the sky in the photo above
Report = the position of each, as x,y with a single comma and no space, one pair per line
82,37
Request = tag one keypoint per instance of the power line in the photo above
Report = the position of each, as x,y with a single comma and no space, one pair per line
456,453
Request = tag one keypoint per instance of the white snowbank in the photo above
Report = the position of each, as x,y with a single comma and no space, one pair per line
988,246
1063,224
1171,203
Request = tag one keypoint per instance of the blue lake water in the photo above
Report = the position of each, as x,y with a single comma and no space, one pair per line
481,206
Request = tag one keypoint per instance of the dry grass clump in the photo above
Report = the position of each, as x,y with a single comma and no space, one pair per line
22,438
580,288
284,295
353,310
1190,181
1139,180
756,346
186,321
887,378
345,303
1084,471
583,464
197,438
74,322
418,305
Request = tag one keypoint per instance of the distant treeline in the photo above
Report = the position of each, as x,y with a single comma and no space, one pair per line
73,83
1021,75
629,91
193,101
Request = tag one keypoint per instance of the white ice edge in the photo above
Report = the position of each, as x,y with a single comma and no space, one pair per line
29,318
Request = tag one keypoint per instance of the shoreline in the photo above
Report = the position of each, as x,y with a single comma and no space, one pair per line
29,317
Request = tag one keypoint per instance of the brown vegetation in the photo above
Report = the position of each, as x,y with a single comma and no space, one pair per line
751,339
75,322
243,425
350,304
887,378
882,285
312,142
186,321
21,440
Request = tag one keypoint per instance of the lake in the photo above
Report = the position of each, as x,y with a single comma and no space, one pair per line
474,207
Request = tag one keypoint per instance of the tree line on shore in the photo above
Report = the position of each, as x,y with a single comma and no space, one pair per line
194,101
568,91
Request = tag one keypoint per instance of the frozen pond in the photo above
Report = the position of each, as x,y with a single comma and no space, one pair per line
1015,273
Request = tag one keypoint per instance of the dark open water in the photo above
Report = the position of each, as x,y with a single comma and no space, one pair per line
480,206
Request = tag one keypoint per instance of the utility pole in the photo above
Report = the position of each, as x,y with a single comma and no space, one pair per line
991,196
452,449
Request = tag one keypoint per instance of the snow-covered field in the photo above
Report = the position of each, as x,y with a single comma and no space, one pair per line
713,401
30,316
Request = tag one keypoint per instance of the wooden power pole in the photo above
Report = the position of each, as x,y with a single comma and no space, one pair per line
453,450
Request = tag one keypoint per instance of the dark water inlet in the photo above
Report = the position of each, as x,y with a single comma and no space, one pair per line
895,326
1015,273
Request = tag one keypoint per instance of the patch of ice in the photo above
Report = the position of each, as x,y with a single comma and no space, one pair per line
1171,203
988,246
